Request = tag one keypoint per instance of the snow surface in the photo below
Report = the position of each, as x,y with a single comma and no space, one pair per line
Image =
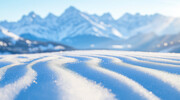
90,75
6,33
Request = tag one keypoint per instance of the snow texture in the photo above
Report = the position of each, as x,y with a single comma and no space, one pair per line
90,75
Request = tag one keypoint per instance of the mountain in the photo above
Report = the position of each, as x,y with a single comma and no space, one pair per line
78,28
71,25
85,31
159,24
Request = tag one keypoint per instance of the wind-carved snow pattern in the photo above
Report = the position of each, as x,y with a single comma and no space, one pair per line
93,75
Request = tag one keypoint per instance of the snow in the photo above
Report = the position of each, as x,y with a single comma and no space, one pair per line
172,79
28,42
116,32
92,45
121,46
158,26
9,34
3,43
94,63
92,22
77,87
51,47
59,48
118,46
92,75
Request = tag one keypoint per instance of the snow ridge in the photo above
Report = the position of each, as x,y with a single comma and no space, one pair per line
72,85
67,70
137,88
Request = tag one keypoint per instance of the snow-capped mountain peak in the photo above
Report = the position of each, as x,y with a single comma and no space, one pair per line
32,17
51,16
51,20
32,14
71,10
126,16
70,13
107,16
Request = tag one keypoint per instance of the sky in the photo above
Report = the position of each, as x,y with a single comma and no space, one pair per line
13,10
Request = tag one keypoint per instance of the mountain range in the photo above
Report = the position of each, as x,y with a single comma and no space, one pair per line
81,30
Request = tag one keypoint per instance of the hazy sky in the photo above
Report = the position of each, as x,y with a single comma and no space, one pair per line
13,10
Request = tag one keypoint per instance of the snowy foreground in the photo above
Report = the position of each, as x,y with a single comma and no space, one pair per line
90,75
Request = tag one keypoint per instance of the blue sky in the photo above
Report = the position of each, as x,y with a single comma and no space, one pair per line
13,10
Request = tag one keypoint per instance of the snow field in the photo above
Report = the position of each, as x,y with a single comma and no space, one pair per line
95,75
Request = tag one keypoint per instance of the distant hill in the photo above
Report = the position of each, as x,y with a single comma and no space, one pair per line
11,43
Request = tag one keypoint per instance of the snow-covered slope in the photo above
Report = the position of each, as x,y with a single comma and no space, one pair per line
4,33
12,43
158,24
90,75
